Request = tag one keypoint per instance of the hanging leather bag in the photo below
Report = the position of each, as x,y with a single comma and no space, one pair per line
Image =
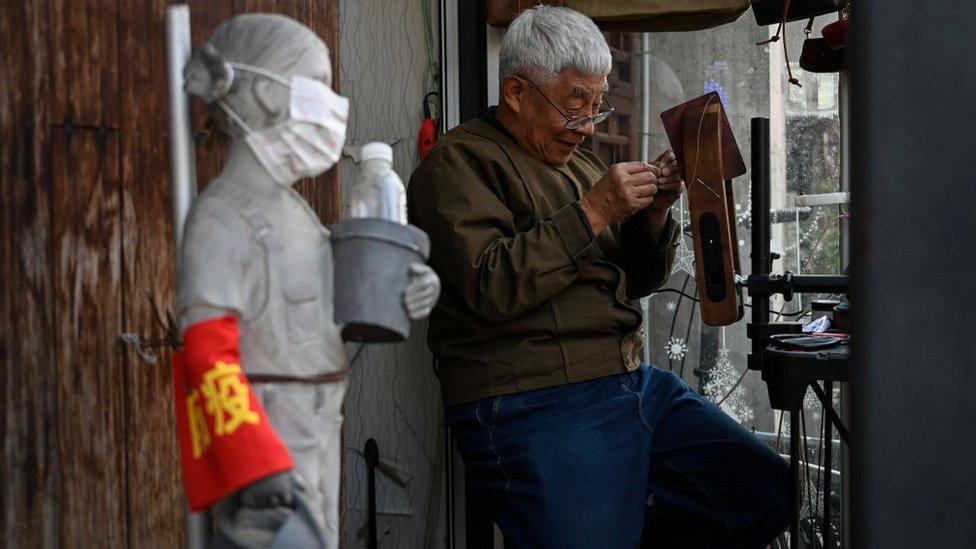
827,54
818,57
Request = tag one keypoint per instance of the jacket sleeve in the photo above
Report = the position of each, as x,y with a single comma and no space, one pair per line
646,258
497,271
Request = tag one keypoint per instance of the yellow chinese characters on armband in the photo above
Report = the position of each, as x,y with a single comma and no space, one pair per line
226,398
199,432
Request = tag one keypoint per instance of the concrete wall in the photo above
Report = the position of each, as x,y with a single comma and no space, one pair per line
393,393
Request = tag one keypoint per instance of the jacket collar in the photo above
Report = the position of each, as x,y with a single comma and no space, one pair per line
520,156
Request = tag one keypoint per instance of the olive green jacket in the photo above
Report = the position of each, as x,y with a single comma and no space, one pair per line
530,298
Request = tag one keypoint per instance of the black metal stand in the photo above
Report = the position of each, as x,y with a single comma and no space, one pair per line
372,453
828,464
788,373
832,416
761,258
795,476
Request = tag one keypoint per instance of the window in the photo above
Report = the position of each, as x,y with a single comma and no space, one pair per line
661,70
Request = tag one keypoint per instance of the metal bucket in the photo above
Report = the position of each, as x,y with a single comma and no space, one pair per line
372,258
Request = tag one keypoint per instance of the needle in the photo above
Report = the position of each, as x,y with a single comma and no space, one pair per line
709,188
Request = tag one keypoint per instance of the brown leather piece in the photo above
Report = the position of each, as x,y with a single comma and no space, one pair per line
818,57
673,120
333,377
709,158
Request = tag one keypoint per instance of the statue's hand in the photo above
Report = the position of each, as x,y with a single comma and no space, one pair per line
422,292
272,491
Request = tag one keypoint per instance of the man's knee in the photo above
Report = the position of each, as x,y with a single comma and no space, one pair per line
770,499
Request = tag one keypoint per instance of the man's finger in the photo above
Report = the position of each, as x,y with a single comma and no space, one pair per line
669,169
646,190
671,182
636,167
643,178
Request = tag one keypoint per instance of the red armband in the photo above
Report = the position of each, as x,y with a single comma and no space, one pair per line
226,440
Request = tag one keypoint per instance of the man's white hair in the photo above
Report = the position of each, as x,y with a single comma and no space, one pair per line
545,40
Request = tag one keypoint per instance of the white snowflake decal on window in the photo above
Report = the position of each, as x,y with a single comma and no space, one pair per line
672,306
676,348
723,358
684,259
721,384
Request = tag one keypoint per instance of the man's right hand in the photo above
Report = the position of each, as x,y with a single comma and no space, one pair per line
625,188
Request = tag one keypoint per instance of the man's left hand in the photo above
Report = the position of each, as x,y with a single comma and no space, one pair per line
668,183
669,188
422,291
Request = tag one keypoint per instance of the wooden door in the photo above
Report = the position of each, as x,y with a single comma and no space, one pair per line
89,455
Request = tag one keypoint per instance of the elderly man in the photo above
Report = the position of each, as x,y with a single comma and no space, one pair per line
543,251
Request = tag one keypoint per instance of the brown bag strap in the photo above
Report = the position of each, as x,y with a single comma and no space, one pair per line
781,30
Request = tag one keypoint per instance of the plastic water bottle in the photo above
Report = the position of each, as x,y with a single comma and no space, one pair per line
378,193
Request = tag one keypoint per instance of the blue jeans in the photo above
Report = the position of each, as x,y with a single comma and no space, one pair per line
573,466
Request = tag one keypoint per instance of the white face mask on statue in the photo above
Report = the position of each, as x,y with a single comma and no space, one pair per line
310,141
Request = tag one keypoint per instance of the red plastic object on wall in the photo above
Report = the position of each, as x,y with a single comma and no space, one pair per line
428,129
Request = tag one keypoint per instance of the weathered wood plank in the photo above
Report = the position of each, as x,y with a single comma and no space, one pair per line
205,16
103,470
154,491
86,234
29,479
322,17
250,6
85,57
323,194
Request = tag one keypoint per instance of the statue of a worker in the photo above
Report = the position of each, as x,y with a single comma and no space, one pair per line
261,380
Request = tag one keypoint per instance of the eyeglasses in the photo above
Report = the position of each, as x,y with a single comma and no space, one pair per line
574,122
